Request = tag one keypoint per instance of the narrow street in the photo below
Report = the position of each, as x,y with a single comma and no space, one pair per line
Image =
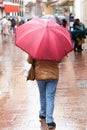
19,99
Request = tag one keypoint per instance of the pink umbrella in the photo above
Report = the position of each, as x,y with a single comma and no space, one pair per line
43,39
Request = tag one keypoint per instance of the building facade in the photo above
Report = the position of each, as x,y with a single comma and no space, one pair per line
21,6
11,7
41,7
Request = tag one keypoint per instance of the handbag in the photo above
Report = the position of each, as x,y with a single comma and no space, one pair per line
31,72
80,41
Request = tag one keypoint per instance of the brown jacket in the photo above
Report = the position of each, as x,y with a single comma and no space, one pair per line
45,69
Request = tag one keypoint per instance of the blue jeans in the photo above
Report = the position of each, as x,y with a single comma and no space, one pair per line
47,90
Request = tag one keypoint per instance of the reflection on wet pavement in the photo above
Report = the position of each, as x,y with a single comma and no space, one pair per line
19,99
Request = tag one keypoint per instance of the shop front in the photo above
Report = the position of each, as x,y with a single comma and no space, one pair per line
8,8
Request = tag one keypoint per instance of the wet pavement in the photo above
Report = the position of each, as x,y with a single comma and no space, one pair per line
19,99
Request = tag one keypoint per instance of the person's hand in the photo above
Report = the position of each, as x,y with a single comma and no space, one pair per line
30,60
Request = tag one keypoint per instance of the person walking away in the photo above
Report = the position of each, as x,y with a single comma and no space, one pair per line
9,22
64,23
46,75
5,28
13,24
17,22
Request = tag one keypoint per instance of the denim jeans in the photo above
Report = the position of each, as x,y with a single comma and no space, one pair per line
47,90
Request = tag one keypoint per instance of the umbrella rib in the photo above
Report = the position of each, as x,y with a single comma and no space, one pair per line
64,37
27,33
40,41
64,34
43,39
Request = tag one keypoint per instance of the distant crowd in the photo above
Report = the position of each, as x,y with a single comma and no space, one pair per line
9,23
78,35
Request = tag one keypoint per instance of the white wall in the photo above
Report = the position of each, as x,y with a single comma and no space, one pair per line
80,9
77,8
85,12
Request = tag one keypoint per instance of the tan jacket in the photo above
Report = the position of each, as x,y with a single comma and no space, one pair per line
45,69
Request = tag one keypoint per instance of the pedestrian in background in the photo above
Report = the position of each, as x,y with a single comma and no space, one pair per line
5,28
0,26
13,24
79,35
64,23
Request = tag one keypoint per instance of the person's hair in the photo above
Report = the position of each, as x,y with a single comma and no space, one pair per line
64,22
76,22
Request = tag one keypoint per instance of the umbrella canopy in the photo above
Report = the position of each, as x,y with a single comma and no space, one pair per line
49,16
43,39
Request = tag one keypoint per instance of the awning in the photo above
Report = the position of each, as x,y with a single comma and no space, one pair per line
11,8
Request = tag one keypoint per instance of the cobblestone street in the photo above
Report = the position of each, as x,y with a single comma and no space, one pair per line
19,99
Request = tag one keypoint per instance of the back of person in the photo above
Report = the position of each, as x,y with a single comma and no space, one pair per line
46,70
